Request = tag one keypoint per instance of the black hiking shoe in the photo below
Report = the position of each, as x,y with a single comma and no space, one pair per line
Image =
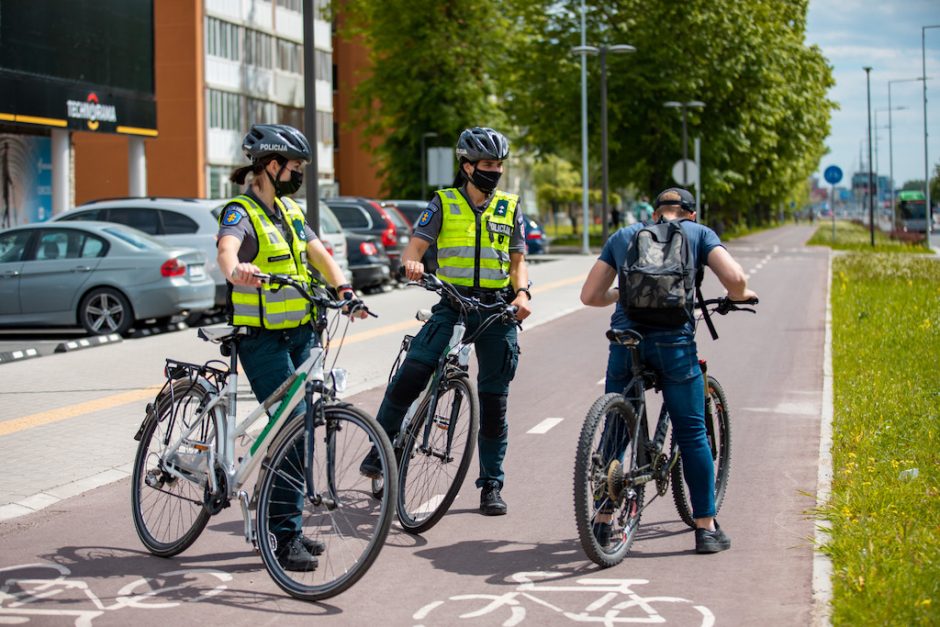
294,556
371,466
314,547
711,541
491,503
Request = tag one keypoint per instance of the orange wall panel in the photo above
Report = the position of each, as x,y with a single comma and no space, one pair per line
100,166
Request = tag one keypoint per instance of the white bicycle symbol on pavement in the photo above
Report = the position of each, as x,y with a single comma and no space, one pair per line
27,597
617,603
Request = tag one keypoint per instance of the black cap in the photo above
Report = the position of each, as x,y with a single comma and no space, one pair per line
686,199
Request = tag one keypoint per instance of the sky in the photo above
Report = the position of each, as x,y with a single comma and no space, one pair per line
886,35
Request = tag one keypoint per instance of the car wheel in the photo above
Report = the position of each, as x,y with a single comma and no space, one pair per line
105,310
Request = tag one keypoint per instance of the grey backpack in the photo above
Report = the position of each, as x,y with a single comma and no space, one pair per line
658,280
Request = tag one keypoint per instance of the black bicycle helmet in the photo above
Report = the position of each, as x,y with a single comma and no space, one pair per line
264,140
479,143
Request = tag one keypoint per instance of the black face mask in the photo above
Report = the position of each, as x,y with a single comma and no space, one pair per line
485,181
287,188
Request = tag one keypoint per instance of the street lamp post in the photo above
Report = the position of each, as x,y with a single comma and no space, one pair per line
684,107
923,76
602,51
424,168
871,185
585,216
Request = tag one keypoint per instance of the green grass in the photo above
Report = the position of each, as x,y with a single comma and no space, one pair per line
885,536
851,236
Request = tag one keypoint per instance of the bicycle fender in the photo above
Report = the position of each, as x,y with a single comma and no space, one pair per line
150,417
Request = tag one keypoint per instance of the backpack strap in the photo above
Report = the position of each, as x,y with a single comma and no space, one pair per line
701,299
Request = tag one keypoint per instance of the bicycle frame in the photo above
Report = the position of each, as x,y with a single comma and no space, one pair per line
221,453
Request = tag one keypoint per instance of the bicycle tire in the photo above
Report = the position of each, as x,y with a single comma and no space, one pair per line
718,432
354,531
168,512
428,483
604,441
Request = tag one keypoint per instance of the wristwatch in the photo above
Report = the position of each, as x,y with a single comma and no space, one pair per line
526,290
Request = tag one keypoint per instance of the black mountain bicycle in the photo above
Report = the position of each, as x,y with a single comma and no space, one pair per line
437,436
617,457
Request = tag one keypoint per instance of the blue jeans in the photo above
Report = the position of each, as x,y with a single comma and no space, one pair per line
497,351
674,358
268,359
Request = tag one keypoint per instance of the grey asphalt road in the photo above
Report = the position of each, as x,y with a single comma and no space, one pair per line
81,560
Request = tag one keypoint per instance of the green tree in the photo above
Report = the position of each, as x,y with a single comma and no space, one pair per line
431,72
767,110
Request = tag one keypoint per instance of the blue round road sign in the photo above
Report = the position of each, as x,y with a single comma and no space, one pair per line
833,174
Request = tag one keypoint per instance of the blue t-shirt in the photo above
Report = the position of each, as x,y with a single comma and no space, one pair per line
702,240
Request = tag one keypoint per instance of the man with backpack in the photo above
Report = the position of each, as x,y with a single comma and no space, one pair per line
659,266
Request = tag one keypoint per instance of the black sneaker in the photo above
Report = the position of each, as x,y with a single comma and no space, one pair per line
711,541
314,547
294,556
491,504
371,466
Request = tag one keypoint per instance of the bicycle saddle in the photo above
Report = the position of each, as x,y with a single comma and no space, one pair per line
221,334
624,337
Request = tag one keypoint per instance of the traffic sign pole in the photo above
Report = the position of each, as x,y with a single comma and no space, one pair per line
833,175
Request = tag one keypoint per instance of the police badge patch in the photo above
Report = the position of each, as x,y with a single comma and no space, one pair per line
425,217
300,230
501,207
232,217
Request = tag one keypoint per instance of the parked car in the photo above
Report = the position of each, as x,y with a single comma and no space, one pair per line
535,238
192,222
369,265
368,217
99,275
411,209
332,235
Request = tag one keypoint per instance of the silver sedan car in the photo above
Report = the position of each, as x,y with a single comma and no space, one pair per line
99,275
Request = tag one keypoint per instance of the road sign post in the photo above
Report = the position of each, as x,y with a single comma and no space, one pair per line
833,175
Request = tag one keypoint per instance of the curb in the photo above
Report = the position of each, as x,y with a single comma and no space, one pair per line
822,563
88,342
19,355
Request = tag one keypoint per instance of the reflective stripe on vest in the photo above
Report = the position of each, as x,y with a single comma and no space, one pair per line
457,241
280,307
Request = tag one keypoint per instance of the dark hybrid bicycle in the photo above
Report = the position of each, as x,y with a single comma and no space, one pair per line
437,436
195,457
617,457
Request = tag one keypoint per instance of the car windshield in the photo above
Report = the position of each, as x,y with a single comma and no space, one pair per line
133,237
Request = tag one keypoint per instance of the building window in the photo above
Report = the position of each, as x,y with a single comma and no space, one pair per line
292,116
293,5
219,184
259,49
324,64
335,78
223,39
290,57
335,135
260,111
225,110
325,127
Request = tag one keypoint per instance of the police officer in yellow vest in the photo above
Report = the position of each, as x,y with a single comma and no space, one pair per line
263,230
480,238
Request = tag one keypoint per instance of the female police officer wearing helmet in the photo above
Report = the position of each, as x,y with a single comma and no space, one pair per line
480,239
264,231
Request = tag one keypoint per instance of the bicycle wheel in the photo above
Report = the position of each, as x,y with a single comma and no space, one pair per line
168,511
718,432
350,522
605,459
435,457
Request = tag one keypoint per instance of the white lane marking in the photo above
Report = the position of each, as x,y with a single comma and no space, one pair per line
544,426
601,381
430,505
802,409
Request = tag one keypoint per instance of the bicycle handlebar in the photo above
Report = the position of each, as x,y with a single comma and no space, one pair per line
353,304
431,283
724,305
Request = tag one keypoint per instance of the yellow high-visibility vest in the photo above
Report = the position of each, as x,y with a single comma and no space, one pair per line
281,307
472,248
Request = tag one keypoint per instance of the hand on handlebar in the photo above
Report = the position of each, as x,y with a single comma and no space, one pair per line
521,303
413,270
246,274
